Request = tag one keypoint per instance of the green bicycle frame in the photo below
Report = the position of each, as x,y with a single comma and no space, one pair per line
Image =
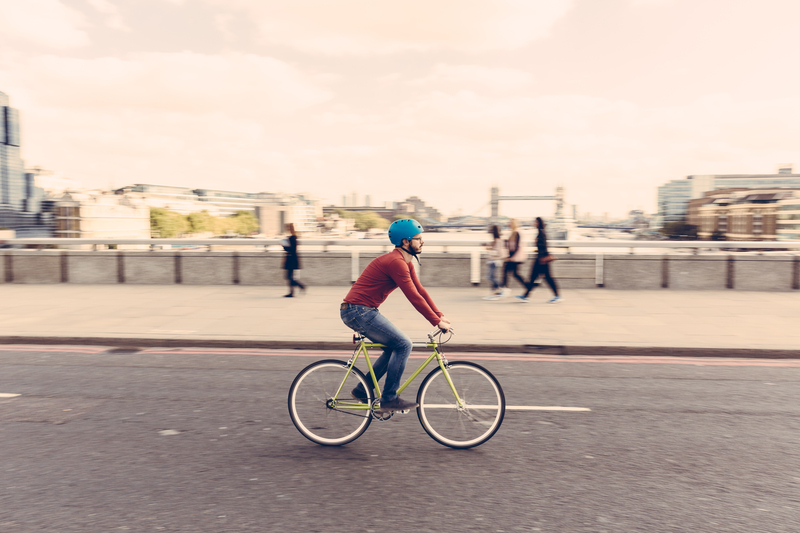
362,348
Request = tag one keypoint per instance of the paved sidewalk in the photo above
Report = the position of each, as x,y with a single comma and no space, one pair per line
586,321
248,316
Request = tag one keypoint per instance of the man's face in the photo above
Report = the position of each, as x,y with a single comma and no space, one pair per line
416,243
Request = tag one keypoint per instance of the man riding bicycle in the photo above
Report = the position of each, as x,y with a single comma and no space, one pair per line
359,311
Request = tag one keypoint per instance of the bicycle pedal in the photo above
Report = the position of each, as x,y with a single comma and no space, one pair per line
404,411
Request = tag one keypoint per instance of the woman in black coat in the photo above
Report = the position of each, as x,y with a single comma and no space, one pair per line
291,262
541,266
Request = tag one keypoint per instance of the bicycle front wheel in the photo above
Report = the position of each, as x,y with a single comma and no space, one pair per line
483,405
319,414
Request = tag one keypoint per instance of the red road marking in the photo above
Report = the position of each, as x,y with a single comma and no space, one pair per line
49,348
474,356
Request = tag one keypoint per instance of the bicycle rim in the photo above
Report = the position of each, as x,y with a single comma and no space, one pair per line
312,410
484,405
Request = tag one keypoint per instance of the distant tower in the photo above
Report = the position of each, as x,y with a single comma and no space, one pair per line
495,201
559,202
344,200
368,201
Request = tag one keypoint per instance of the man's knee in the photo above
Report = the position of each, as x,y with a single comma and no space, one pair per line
403,344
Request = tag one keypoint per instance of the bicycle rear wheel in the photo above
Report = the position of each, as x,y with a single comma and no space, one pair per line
319,416
482,411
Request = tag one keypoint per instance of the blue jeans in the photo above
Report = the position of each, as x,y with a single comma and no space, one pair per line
370,322
493,274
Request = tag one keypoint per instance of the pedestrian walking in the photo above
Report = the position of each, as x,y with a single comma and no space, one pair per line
292,261
494,261
541,266
516,255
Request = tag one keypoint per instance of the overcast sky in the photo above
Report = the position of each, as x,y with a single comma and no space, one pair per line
435,98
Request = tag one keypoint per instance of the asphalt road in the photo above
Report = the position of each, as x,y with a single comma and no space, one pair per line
196,441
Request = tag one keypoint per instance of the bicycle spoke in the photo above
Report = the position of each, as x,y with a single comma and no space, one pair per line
313,411
472,423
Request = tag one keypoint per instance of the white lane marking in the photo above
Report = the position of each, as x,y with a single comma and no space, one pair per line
8,395
545,408
513,407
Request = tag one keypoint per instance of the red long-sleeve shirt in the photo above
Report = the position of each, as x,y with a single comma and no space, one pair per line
383,275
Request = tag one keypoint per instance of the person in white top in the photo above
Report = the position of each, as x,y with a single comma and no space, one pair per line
494,261
516,256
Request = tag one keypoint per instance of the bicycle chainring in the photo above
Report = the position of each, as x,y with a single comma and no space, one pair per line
377,414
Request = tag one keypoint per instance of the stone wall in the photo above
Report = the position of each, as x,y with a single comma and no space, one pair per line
572,271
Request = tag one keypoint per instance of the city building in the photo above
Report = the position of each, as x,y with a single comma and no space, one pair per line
414,207
693,210
674,196
185,200
12,181
788,220
52,183
411,207
22,204
98,215
275,210
228,203
12,176
746,215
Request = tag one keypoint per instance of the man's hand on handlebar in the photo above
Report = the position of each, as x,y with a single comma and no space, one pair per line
444,325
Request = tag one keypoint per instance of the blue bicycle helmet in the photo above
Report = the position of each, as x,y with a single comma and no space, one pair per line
403,229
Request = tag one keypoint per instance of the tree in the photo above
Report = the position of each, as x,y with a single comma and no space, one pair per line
370,219
243,223
167,224
202,221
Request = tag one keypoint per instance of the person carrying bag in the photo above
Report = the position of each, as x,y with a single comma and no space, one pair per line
541,266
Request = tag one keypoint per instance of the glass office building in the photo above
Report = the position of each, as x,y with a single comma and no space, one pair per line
674,196
12,173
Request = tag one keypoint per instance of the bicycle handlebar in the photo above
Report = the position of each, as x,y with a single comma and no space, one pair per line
439,331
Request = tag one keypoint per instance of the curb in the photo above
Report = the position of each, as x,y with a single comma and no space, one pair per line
542,349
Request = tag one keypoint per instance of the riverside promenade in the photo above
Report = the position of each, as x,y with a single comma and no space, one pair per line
585,322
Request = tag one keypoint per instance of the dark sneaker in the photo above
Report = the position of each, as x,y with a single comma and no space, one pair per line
359,394
398,404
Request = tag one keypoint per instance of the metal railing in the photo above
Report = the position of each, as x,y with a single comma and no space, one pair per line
381,243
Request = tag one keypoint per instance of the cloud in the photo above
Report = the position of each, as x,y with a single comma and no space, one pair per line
446,147
113,16
648,3
367,27
469,114
151,146
494,78
44,22
239,84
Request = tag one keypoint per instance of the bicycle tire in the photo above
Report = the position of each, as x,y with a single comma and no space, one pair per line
311,412
479,419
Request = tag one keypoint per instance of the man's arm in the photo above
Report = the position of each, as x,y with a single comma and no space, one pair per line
443,322
422,292
400,272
